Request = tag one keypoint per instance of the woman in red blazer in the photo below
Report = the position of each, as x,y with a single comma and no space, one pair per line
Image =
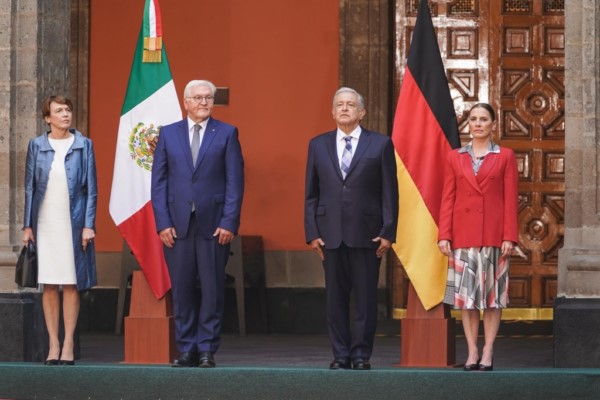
478,231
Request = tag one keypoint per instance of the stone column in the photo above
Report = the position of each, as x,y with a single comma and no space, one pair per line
34,63
365,57
577,307
365,66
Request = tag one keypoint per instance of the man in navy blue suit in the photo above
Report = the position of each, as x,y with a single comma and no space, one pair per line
197,190
350,219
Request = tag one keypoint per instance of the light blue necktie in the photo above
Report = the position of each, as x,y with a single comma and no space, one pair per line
346,156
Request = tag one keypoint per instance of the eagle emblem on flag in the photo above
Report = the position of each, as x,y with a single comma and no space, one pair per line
142,143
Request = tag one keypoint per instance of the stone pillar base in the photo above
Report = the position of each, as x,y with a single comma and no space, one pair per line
576,327
22,327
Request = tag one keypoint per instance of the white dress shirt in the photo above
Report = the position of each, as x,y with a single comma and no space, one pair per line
341,142
191,129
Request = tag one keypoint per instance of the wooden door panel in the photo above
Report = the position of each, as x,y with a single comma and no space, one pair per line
528,61
509,53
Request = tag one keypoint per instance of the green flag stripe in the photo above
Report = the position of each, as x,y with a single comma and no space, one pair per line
145,78
146,20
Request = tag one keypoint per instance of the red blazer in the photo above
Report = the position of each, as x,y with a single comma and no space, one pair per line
480,210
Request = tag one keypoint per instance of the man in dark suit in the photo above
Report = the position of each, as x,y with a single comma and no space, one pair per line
197,190
350,219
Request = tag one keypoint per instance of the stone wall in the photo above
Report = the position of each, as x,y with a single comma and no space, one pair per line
364,66
579,260
34,63
364,57
577,306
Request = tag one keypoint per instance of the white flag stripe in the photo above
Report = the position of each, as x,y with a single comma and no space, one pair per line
152,15
131,183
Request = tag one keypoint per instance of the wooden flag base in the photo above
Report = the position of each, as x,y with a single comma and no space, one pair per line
428,337
150,327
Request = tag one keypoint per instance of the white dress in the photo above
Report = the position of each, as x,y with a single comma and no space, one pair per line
56,258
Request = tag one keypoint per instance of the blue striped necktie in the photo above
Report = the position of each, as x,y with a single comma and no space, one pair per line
346,156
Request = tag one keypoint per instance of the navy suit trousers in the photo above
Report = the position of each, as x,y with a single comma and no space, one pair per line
198,314
349,271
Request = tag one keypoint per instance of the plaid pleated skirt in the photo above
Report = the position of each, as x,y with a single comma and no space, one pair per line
477,279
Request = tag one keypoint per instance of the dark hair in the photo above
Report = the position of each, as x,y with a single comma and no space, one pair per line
54,99
485,106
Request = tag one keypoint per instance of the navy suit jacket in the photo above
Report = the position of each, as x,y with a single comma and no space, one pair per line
215,184
359,208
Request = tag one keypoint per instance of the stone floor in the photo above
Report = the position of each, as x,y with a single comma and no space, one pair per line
515,351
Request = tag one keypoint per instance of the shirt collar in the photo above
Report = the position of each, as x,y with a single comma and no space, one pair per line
355,134
468,148
202,124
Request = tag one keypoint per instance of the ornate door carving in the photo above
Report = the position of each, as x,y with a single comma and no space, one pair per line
529,92
509,53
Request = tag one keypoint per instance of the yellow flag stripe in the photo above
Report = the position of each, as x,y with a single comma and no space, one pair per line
416,242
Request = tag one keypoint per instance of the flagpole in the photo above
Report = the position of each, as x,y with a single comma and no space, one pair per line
150,102
428,336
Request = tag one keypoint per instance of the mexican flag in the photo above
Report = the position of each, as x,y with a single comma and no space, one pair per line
150,102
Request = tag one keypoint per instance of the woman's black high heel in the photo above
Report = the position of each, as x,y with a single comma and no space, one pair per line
487,368
472,367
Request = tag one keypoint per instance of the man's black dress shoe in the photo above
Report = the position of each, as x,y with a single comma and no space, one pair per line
360,364
51,362
207,360
186,360
340,364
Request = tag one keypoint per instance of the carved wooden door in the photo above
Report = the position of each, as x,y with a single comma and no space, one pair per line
529,91
509,53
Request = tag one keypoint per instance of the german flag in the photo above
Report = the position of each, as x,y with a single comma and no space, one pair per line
425,130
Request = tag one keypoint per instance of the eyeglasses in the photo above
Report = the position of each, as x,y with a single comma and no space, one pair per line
199,99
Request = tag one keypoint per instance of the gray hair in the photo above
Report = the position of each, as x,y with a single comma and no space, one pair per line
194,83
361,101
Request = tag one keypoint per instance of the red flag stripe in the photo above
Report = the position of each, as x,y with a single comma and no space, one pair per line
421,143
416,246
139,231
158,19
